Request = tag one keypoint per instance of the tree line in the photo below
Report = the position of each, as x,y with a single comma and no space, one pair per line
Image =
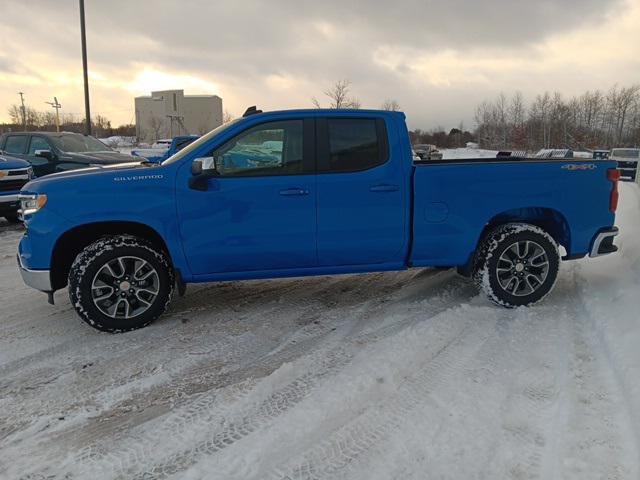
595,119
45,121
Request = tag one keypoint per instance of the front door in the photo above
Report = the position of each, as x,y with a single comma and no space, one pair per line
260,212
41,164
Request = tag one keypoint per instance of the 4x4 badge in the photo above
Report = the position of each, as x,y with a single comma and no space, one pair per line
579,166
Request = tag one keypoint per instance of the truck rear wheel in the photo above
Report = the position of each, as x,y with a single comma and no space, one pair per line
517,265
120,283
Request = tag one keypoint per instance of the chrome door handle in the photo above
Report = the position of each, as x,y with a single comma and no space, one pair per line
384,188
290,192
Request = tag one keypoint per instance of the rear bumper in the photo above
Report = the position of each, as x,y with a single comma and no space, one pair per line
38,279
603,242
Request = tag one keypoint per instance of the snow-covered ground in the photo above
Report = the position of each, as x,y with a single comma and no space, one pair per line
406,375
461,153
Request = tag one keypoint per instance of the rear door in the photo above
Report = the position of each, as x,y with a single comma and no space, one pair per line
361,205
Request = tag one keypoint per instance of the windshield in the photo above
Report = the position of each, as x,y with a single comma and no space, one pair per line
202,140
76,143
626,152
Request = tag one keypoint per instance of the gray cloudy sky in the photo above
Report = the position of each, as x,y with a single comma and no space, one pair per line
438,59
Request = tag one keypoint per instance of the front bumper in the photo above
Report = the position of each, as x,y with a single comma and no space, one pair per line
38,279
9,203
603,242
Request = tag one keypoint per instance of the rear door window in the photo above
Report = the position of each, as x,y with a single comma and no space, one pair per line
355,144
16,144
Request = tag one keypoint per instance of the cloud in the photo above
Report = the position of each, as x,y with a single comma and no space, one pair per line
438,59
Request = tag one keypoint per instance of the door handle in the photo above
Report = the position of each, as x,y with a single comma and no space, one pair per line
291,192
384,188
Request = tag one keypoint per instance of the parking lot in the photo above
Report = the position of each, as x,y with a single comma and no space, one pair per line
390,375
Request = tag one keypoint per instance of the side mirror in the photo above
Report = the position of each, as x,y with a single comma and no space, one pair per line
201,170
44,154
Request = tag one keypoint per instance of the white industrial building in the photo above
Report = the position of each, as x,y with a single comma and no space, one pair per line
168,113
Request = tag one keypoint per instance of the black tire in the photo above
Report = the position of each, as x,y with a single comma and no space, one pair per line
89,268
12,218
517,265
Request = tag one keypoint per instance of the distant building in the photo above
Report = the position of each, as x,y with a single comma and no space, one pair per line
168,113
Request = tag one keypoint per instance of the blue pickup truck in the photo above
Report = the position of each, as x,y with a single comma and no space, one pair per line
155,155
340,193
14,174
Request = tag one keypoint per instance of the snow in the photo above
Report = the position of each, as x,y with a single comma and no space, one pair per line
119,141
405,375
462,153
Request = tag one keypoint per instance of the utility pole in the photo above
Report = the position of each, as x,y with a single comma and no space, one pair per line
83,35
55,104
24,111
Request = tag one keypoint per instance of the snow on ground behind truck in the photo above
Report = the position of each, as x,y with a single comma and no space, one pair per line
389,375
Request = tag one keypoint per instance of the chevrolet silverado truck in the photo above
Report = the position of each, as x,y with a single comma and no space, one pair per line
14,174
341,194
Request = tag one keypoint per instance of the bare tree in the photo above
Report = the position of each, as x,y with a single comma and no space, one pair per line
390,105
227,117
339,96
591,120
15,114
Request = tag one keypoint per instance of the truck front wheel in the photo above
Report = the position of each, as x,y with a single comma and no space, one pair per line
517,265
120,283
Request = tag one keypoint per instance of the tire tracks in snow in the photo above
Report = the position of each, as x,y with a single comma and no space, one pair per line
475,355
323,356
600,367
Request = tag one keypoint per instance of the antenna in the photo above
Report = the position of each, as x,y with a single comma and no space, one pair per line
251,111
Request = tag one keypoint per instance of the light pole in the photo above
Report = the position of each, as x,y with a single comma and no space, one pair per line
55,104
24,111
83,36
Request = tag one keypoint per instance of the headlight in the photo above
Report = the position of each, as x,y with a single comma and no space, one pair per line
30,204
30,173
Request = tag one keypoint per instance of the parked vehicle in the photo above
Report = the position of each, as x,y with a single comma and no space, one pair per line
156,155
600,154
344,196
627,159
161,144
50,152
14,174
554,153
427,152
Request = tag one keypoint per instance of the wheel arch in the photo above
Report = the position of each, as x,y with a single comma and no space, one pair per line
548,219
73,241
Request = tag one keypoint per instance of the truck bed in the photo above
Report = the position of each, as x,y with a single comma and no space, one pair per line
453,198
